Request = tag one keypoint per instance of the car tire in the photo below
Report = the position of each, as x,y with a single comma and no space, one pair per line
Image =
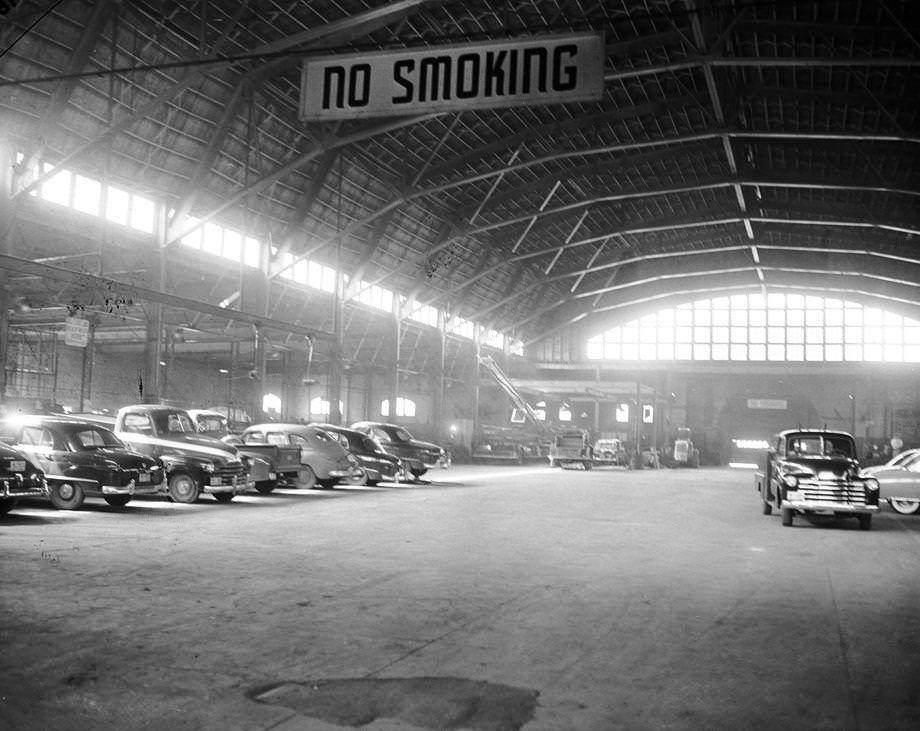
904,507
360,479
223,497
306,478
865,522
767,508
266,486
117,501
786,516
183,488
66,496
7,504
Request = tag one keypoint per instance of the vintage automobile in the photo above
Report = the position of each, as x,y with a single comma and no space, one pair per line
82,459
417,456
899,481
19,477
324,462
194,464
376,464
268,463
815,472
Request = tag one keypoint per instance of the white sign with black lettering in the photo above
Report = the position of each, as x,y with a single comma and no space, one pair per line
76,331
534,70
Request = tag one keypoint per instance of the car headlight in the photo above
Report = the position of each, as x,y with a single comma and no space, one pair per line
872,484
207,466
791,481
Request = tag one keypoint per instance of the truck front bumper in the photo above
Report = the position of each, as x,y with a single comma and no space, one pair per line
828,508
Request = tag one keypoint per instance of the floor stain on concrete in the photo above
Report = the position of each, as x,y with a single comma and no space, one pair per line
426,702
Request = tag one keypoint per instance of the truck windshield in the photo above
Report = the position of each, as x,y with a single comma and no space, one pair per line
173,422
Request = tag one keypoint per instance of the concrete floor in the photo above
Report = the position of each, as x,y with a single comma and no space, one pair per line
495,598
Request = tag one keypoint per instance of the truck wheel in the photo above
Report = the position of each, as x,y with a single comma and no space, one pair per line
904,507
266,486
7,504
865,522
66,496
223,497
182,488
767,508
118,501
786,516
306,478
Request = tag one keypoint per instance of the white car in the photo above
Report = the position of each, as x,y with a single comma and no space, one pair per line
899,480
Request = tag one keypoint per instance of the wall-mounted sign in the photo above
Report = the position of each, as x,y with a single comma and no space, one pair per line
778,404
524,71
76,331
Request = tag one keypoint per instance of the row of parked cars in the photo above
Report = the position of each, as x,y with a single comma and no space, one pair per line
150,449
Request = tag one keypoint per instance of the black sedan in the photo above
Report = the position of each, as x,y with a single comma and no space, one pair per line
81,459
19,477
376,464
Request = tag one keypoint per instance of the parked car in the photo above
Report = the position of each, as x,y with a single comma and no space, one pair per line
899,481
417,456
82,459
19,477
270,465
815,472
323,461
194,464
376,464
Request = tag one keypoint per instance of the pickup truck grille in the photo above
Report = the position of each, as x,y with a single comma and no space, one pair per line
833,491
226,473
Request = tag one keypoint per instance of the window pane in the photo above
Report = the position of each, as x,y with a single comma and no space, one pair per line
853,352
87,195
758,334
666,351
701,335
739,352
795,317
720,351
117,206
251,249
795,352
684,351
814,352
721,317
739,334
757,352
776,352
143,214
213,239
57,188
833,352
233,244
701,352
720,334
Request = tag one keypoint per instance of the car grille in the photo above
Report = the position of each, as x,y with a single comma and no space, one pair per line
226,473
833,491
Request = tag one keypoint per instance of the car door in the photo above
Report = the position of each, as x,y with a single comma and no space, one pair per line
39,444
901,480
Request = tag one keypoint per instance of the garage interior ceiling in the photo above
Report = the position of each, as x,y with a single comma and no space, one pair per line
739,147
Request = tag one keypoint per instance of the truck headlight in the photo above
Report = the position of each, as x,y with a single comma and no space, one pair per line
791,481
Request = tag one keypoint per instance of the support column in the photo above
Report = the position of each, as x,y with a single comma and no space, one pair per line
7,220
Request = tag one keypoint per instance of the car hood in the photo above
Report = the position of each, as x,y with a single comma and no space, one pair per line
838,467
124,458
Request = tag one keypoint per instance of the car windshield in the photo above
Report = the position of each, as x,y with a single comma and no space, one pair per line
95,438
211,423
401,434
818,446
173,422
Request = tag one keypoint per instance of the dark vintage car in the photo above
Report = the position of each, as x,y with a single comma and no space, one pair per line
376,464
417,456
899,481
323,461
83,459
19,477
815,472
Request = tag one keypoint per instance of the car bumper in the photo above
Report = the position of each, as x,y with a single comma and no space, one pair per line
829,508
14,492
132,488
